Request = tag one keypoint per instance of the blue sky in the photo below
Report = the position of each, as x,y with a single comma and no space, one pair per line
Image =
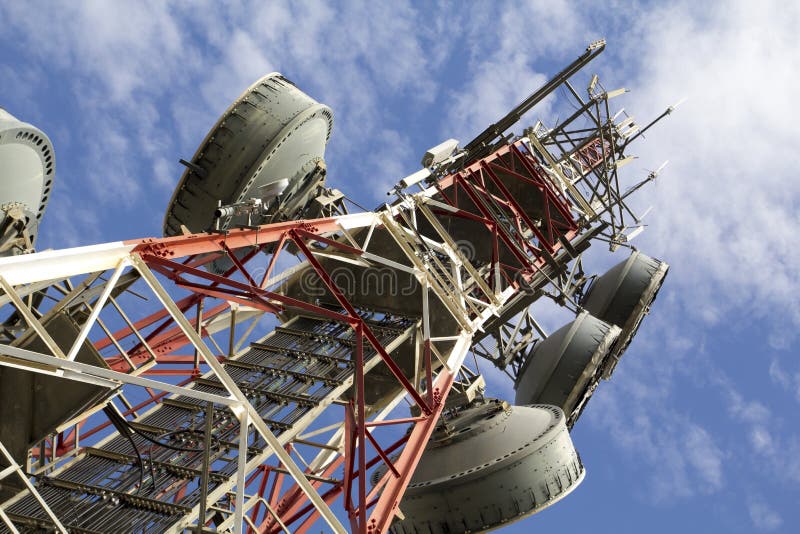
698,431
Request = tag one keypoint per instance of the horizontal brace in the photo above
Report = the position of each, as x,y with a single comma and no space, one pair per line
302,353
183,405
52,264
91,370
311,335
45,524
308,476
388,422
315,444
383,328
181,246
198,434
283,398
389,263
185,472
335,244
133,500
285,372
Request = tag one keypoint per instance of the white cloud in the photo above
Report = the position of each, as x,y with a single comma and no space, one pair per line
504,65
703,455
773,446
71,223
725,212
242,63
684,460
163,173
500,86
390,159
125,46
763,516
788,381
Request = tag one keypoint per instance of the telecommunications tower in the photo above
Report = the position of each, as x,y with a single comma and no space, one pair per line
282,360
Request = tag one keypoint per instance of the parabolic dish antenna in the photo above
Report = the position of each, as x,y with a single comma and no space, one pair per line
563,369
272,132
489,465
623,295
27,169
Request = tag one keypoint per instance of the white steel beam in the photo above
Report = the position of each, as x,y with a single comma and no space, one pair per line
90,373
52,264
241,472
101,301
31,319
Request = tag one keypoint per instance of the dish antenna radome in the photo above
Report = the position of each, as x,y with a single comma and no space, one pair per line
263,159
488,465
27,169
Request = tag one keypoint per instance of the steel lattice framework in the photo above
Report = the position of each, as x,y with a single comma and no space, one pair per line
267,437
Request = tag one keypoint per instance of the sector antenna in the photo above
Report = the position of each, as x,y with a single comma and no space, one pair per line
282,361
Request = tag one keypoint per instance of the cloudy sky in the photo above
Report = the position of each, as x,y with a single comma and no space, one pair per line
699,430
